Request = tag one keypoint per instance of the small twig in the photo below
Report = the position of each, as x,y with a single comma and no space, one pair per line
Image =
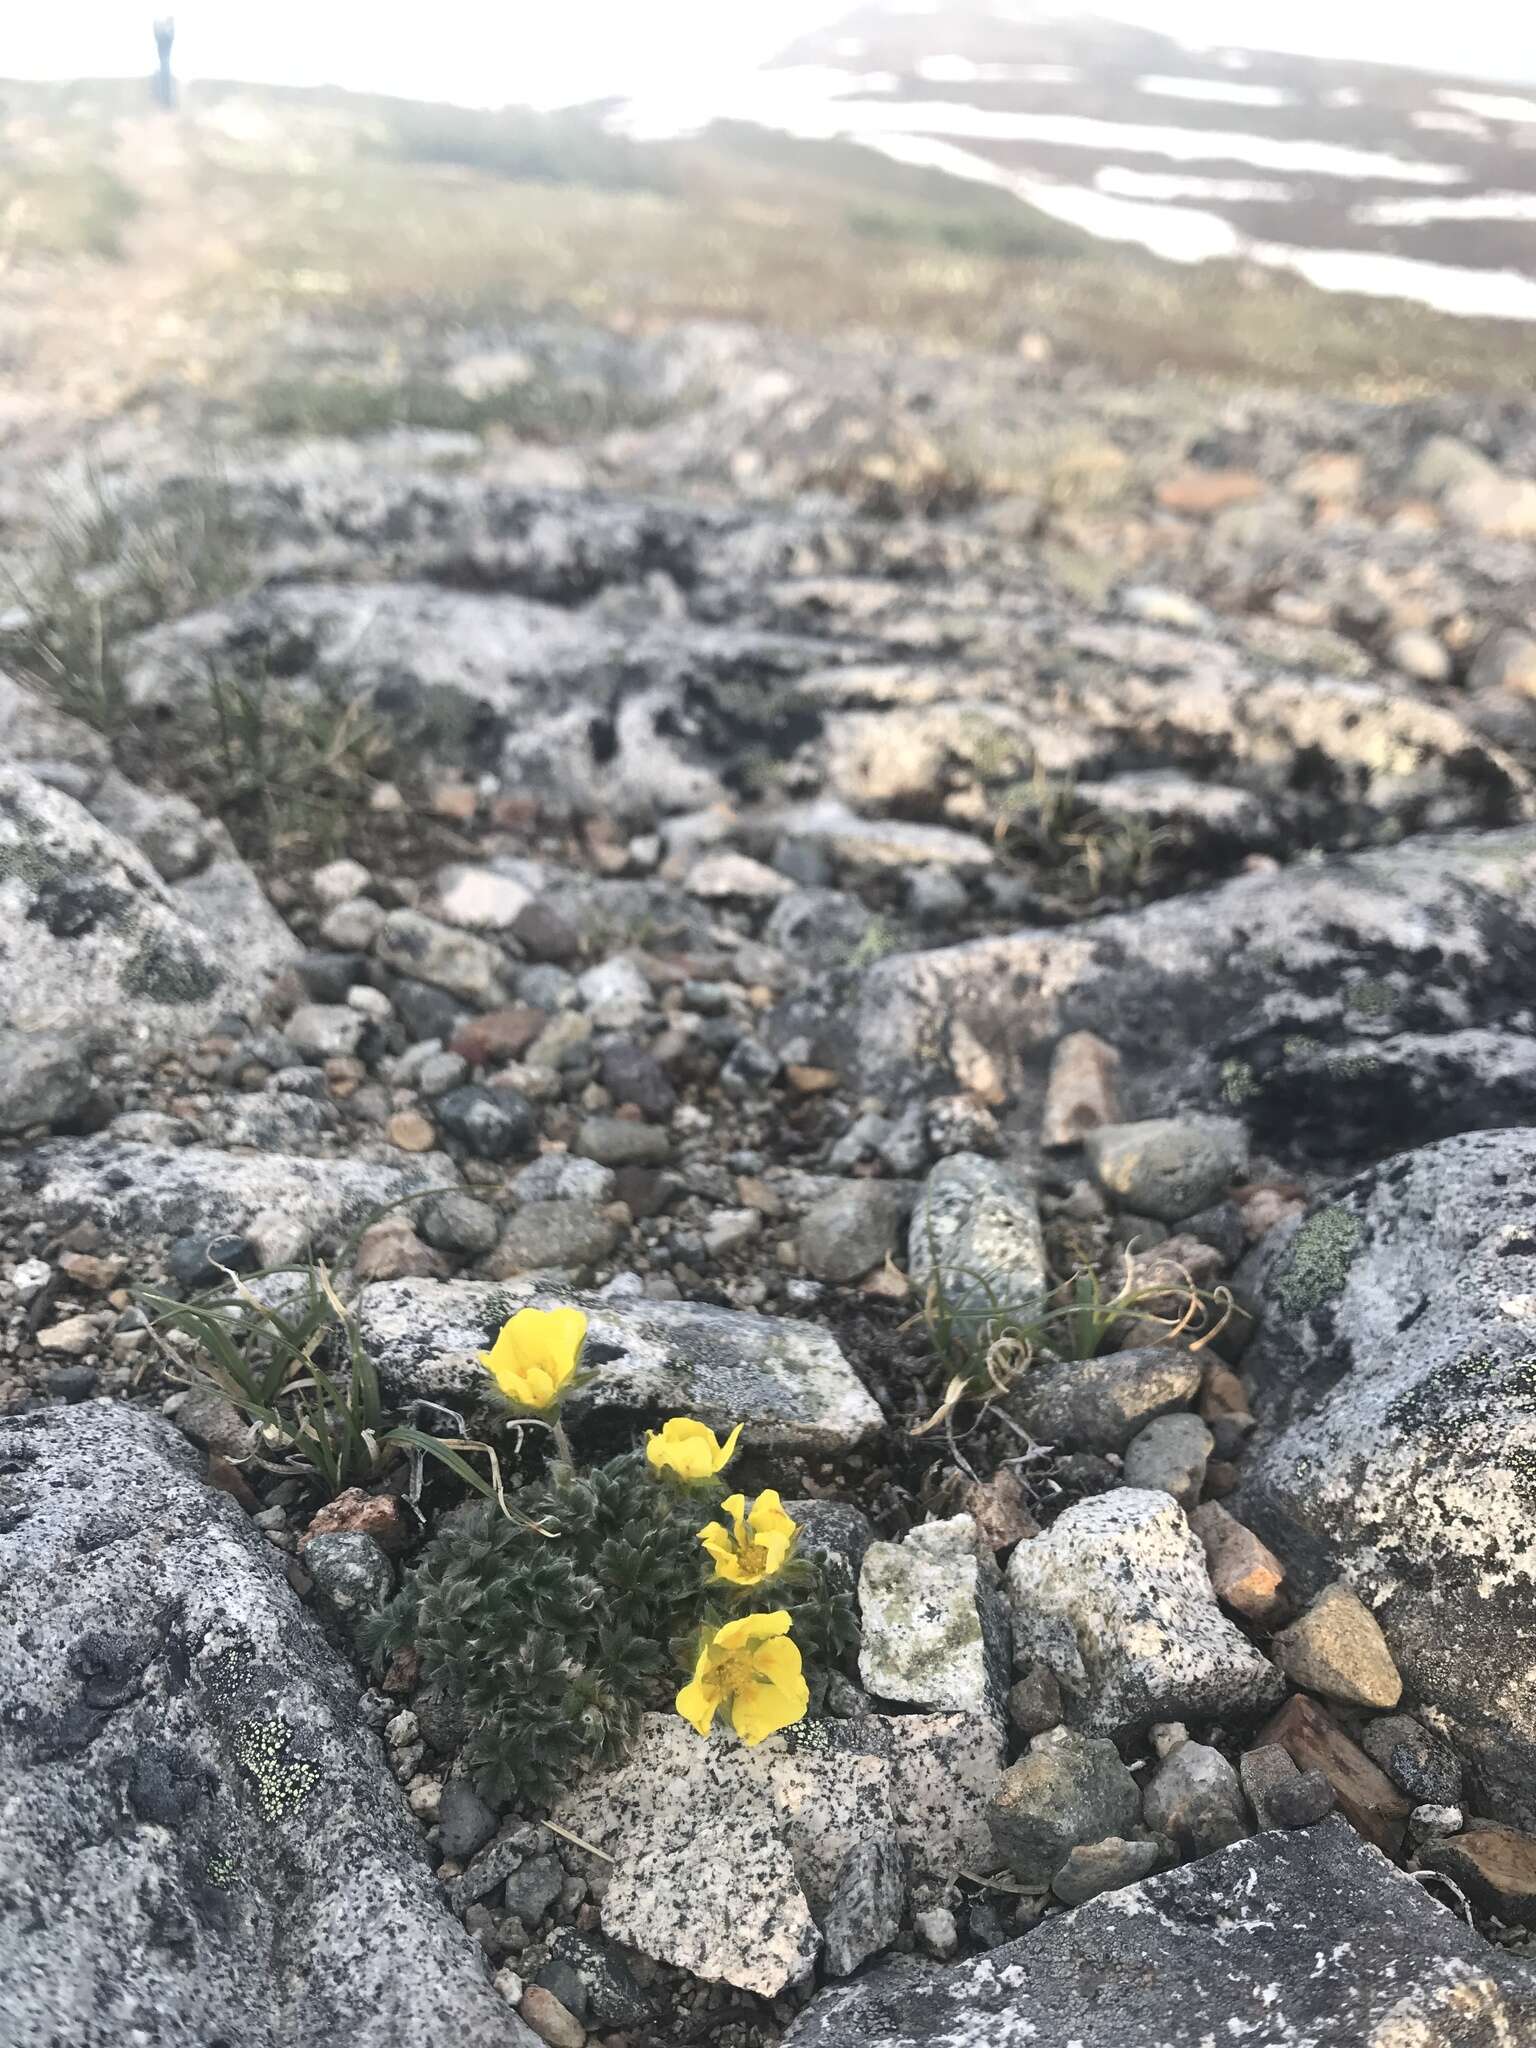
998,1884
566,1835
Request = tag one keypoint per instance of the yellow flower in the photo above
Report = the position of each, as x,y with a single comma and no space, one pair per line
690,1449
756,1545
535,1354
752,1668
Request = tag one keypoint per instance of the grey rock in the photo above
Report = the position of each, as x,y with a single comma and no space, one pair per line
845,1234
352,1574
560,1177
1167,1167
454,961
460,1223
1262,1773
1337,1648
1412,1758
1069,1789
1106,1866
921,1605
976,1231
837,1532
440,1073
464,1822
935,1928
547,987
612,1995
533,1888
486,1872
786,1381
1099,1404
614,985
1316,1020
1115,1598
617,1141
133,1193
1034,1701
859,1143
904,1148
935,896
1428,1822
101,953
321,1031
490,1123
631,1074
1169,1455
720,1849
818,928
1392,1382
544,1235
881,843
169,1698
864,1914
1195,1800
1238,1935
1302,1801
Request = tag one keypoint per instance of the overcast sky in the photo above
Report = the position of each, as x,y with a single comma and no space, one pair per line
491,52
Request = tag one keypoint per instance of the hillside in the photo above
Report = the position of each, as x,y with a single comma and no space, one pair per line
766,1064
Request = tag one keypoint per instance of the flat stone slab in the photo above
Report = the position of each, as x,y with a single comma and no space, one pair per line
136,1192
1304,1940
787,1382
203,1843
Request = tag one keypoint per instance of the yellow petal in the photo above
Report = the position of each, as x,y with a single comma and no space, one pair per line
764,1707
686,1447
769,1519
778,1662
726,1451
753,1629
717,1543
696,1707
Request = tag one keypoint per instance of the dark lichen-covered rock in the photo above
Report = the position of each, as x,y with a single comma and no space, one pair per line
1223,1949
1394,1376
203,1844
787,1382
98,950
1332,1006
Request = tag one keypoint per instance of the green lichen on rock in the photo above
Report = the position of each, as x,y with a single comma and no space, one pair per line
1238,1082
168,968
283,1781
1352,1066
1319,1259
1370,998
220,1870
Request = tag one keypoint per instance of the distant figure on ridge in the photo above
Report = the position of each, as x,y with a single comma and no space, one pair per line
165,85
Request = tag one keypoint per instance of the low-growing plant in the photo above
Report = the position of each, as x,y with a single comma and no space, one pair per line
1087,854
109,567
552,1635
987,1343
287,773
290,1359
